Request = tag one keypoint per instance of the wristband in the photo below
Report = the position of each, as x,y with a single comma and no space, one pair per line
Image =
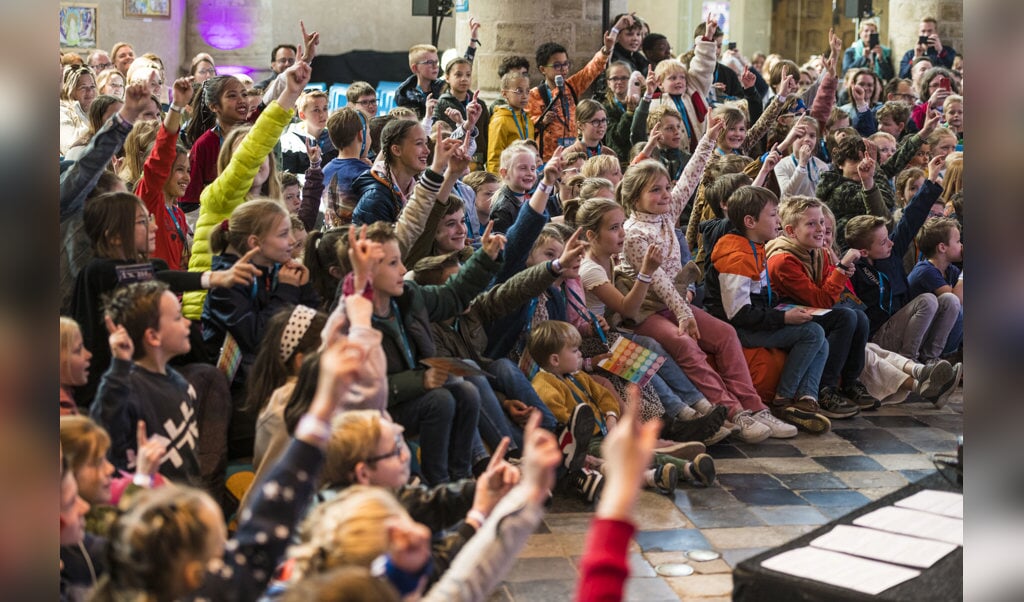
477,516
204,280
175,108
311,426
556,266
475,41
843,267
545,188
615,30
648,97
608,415
404,582
143,480
644,278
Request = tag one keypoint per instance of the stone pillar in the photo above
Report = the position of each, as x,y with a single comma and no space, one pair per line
906,15
510,28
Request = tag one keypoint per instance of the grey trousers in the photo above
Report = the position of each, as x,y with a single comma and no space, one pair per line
919,330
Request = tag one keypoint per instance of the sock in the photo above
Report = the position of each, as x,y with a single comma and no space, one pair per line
917,370
687,472
687,413
703,407
649,477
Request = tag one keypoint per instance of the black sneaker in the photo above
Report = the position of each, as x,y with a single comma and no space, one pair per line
666,477
574,438
702,469
698,429
858,394
805,414
588,483
942,398
835,406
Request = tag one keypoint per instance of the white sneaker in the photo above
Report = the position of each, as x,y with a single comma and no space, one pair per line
778,428
703,406
751,431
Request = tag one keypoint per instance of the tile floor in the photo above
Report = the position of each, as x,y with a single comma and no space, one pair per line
766,495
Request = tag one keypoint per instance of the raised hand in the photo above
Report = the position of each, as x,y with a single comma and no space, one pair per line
431,104
859,95
866,172
710,26
935,167
553,168
651,81
443,150
835,44
541,456
364,255
149,453
715,128
652,260
297,76
798,131
121,346
747,78
628,451
313,151
243,272
454,114
181,92
136,100
773,158
409,546
931,121
495,481
310,41
573,250
492,244
341,363
473,112
787,86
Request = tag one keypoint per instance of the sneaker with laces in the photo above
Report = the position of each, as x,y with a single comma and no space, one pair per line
834,405
697,429
805,414
778,429
575,436
859,395
751,431
588,483
702,470
932,378
947,390
686,450
666,477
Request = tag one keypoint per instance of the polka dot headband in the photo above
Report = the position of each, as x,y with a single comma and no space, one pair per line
298,324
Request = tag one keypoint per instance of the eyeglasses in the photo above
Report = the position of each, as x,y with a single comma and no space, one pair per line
285,61
518,91
598,122
430,63
102,67
560,66
395,453
618,78
210,71
369,102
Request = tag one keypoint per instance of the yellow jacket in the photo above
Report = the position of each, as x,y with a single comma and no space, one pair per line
230,190
557,394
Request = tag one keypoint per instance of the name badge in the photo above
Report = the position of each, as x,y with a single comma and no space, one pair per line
566,142
135,272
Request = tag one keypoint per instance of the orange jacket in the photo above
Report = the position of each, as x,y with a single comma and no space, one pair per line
578,82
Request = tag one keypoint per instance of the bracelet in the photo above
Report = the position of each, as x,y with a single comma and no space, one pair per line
556,266
644,278
843,267
477,516
545,188
648,97
143,480
476,41
615,30
315,165
175,108
605,50
608,415
311,426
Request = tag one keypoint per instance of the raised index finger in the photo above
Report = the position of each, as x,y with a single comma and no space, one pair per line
140,434
498,456
247,258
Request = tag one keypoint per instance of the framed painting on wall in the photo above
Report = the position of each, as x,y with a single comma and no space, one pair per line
78,25
147,8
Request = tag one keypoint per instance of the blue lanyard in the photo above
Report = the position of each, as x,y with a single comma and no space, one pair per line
597,410
881,291
619,104
521,130
582,309
271,282
682,112
768,280
177,227
591,153
812,170
362,121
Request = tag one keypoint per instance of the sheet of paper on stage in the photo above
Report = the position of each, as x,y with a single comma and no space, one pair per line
946,503
887,547
915,523
842,570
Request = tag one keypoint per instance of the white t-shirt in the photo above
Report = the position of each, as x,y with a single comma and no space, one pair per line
592,275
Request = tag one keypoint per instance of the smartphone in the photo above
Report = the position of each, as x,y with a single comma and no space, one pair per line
944,83
922,40
873,40
732,45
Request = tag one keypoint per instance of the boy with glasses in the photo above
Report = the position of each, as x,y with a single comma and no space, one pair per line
510,121
423,82
363,97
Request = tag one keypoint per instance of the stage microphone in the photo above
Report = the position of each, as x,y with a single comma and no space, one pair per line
560,83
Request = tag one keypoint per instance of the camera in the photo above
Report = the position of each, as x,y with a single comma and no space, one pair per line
873,40
732,46
922,40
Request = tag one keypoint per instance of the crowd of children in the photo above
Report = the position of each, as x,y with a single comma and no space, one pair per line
408,321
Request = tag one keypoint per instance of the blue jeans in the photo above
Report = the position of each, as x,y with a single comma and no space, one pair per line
506,378
807,349
494,424
445,420
847,333
670,373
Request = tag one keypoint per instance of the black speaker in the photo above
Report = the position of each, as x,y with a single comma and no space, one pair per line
430,8
858,9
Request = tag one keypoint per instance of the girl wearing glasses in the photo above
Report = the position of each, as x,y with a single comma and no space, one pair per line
591,127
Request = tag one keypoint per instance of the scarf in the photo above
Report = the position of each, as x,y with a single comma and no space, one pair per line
813,261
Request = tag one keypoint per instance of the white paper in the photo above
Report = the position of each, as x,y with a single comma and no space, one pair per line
946,503
914,522
842,570
887,547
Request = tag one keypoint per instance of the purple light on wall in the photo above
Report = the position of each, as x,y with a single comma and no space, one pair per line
225,26
235,70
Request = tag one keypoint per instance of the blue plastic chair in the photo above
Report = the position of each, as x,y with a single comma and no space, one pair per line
336,97
386,96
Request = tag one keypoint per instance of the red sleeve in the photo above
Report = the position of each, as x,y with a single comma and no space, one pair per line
202,166
789,279
604,568
824,99
156,170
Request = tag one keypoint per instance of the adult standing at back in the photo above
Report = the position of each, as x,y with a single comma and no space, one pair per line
868,52
558,127
281,57
941,56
